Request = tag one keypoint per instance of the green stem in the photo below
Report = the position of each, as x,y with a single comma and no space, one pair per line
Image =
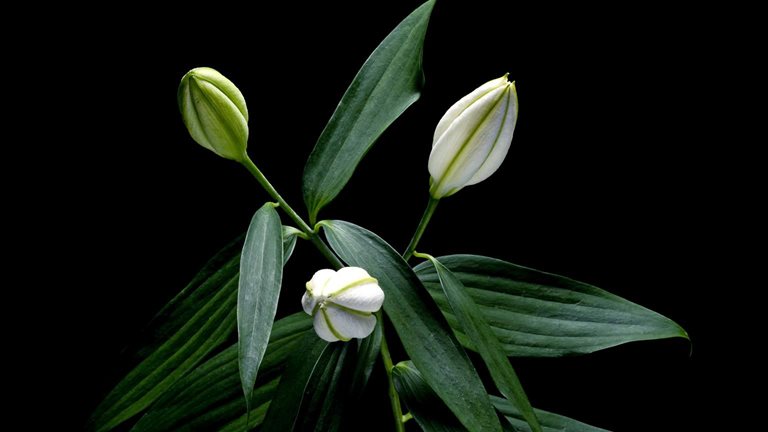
407,417
394,399
311,235
431,206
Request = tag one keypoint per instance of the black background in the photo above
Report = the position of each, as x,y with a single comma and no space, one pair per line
603,183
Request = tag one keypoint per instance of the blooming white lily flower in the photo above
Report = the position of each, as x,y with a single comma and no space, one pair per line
473,137
214,112
342,303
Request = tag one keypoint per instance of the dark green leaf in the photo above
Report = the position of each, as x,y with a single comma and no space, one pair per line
324,404
195,322
215,283
433,416
423,331
353,400
549,421
422,402
366,357
388,83
209,397
474,325
537,314
286,405
306,393
261,273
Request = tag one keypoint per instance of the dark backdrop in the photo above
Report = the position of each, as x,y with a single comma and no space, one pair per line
601,183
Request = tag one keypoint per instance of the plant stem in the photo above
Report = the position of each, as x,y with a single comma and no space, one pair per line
431,206
319,244
397,410
394,399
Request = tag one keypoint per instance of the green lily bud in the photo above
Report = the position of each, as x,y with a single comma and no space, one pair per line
473,137
214,112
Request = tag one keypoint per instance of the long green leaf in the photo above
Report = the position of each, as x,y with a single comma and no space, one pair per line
194,323
537,314
261,274
311,361
433,416
423,331
388,83
325,402
352,400
209,397
366,357
549,421
479,332
178,338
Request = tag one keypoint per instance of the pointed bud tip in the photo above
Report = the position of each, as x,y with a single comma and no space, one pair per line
467,148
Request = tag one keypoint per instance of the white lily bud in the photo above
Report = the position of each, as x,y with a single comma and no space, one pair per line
214,112
342,303
473,137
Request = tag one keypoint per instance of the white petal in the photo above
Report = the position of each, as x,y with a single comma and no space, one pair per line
345,279
347,325
308,302
466,144
321,327
365,298
456,109
503,141
321,277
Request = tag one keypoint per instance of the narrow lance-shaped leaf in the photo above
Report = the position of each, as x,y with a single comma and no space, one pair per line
261,273
433,416
195,322
538,314
175,339
210,398
550,422
367,352
352,400
388,83
310,361
325,398
477,330
424,333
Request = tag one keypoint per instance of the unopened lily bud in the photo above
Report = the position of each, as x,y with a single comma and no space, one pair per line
214,112
342,303
473,137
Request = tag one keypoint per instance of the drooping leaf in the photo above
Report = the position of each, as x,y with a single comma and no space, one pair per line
210,398
433,416
290,235
549,421
388,83
261,274
474,325
195,322
538,314
424,333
